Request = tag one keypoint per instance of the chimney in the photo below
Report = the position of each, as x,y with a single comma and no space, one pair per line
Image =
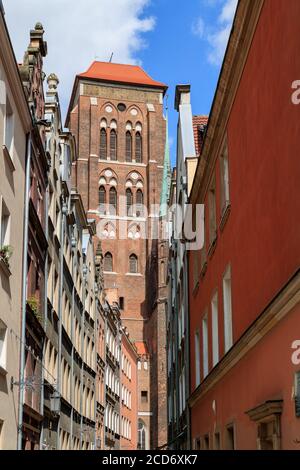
182,95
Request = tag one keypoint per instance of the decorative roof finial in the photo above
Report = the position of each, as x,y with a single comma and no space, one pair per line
52,81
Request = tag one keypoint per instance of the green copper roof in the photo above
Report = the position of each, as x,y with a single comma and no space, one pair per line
166,176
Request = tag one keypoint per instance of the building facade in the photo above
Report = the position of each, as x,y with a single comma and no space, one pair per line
35,250
129,394
244,314
15,126
116,115
188,150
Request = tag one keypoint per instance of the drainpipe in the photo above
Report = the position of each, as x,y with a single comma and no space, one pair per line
24,292
45,317
105,371
72,363
82,359
61,261
187,347
96,340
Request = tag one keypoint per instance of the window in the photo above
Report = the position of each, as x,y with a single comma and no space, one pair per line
1,428
108,262
3,345
128,146
138,148
139,203
141,435
121,107
203,251
9,127
217,443
133,264
215,329
212,212
103,144
129,201
139,364
227,309
197,358
5,225
197,444
144,396
230,443
224,177
206,442
113,201
297,394
145,365
113,145
205,345
121,303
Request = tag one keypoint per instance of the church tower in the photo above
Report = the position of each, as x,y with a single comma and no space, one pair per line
116,115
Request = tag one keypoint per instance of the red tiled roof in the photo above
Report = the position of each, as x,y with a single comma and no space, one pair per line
141,347
198,121
120,73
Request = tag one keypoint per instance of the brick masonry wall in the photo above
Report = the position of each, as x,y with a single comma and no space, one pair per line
139,290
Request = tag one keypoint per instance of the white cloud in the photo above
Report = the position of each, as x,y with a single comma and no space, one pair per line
217,35
80,31
198,28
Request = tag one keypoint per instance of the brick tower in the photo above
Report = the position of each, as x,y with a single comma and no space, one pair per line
116,115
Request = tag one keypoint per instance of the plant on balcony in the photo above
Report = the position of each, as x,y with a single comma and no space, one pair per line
5,253
34,304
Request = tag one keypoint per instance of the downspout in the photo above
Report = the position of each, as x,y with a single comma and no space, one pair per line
96,337
105,371
82,359
72,363
61,267
24,292
45,318
187,348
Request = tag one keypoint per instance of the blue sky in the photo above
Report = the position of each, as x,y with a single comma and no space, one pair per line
174,41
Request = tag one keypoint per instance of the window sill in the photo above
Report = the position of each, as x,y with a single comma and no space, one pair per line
134,274
109,272
5,268
212,247
225,214
8,158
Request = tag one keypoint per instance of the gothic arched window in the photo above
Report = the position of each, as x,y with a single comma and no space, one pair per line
103,144
113,145
139,203
108,262
113,200
141,435
133,264
102,199
138,148
128,146
129,201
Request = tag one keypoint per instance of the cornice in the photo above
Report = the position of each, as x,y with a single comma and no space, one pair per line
12,75
279,308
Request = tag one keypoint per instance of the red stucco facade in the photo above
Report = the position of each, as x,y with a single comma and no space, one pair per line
259,240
